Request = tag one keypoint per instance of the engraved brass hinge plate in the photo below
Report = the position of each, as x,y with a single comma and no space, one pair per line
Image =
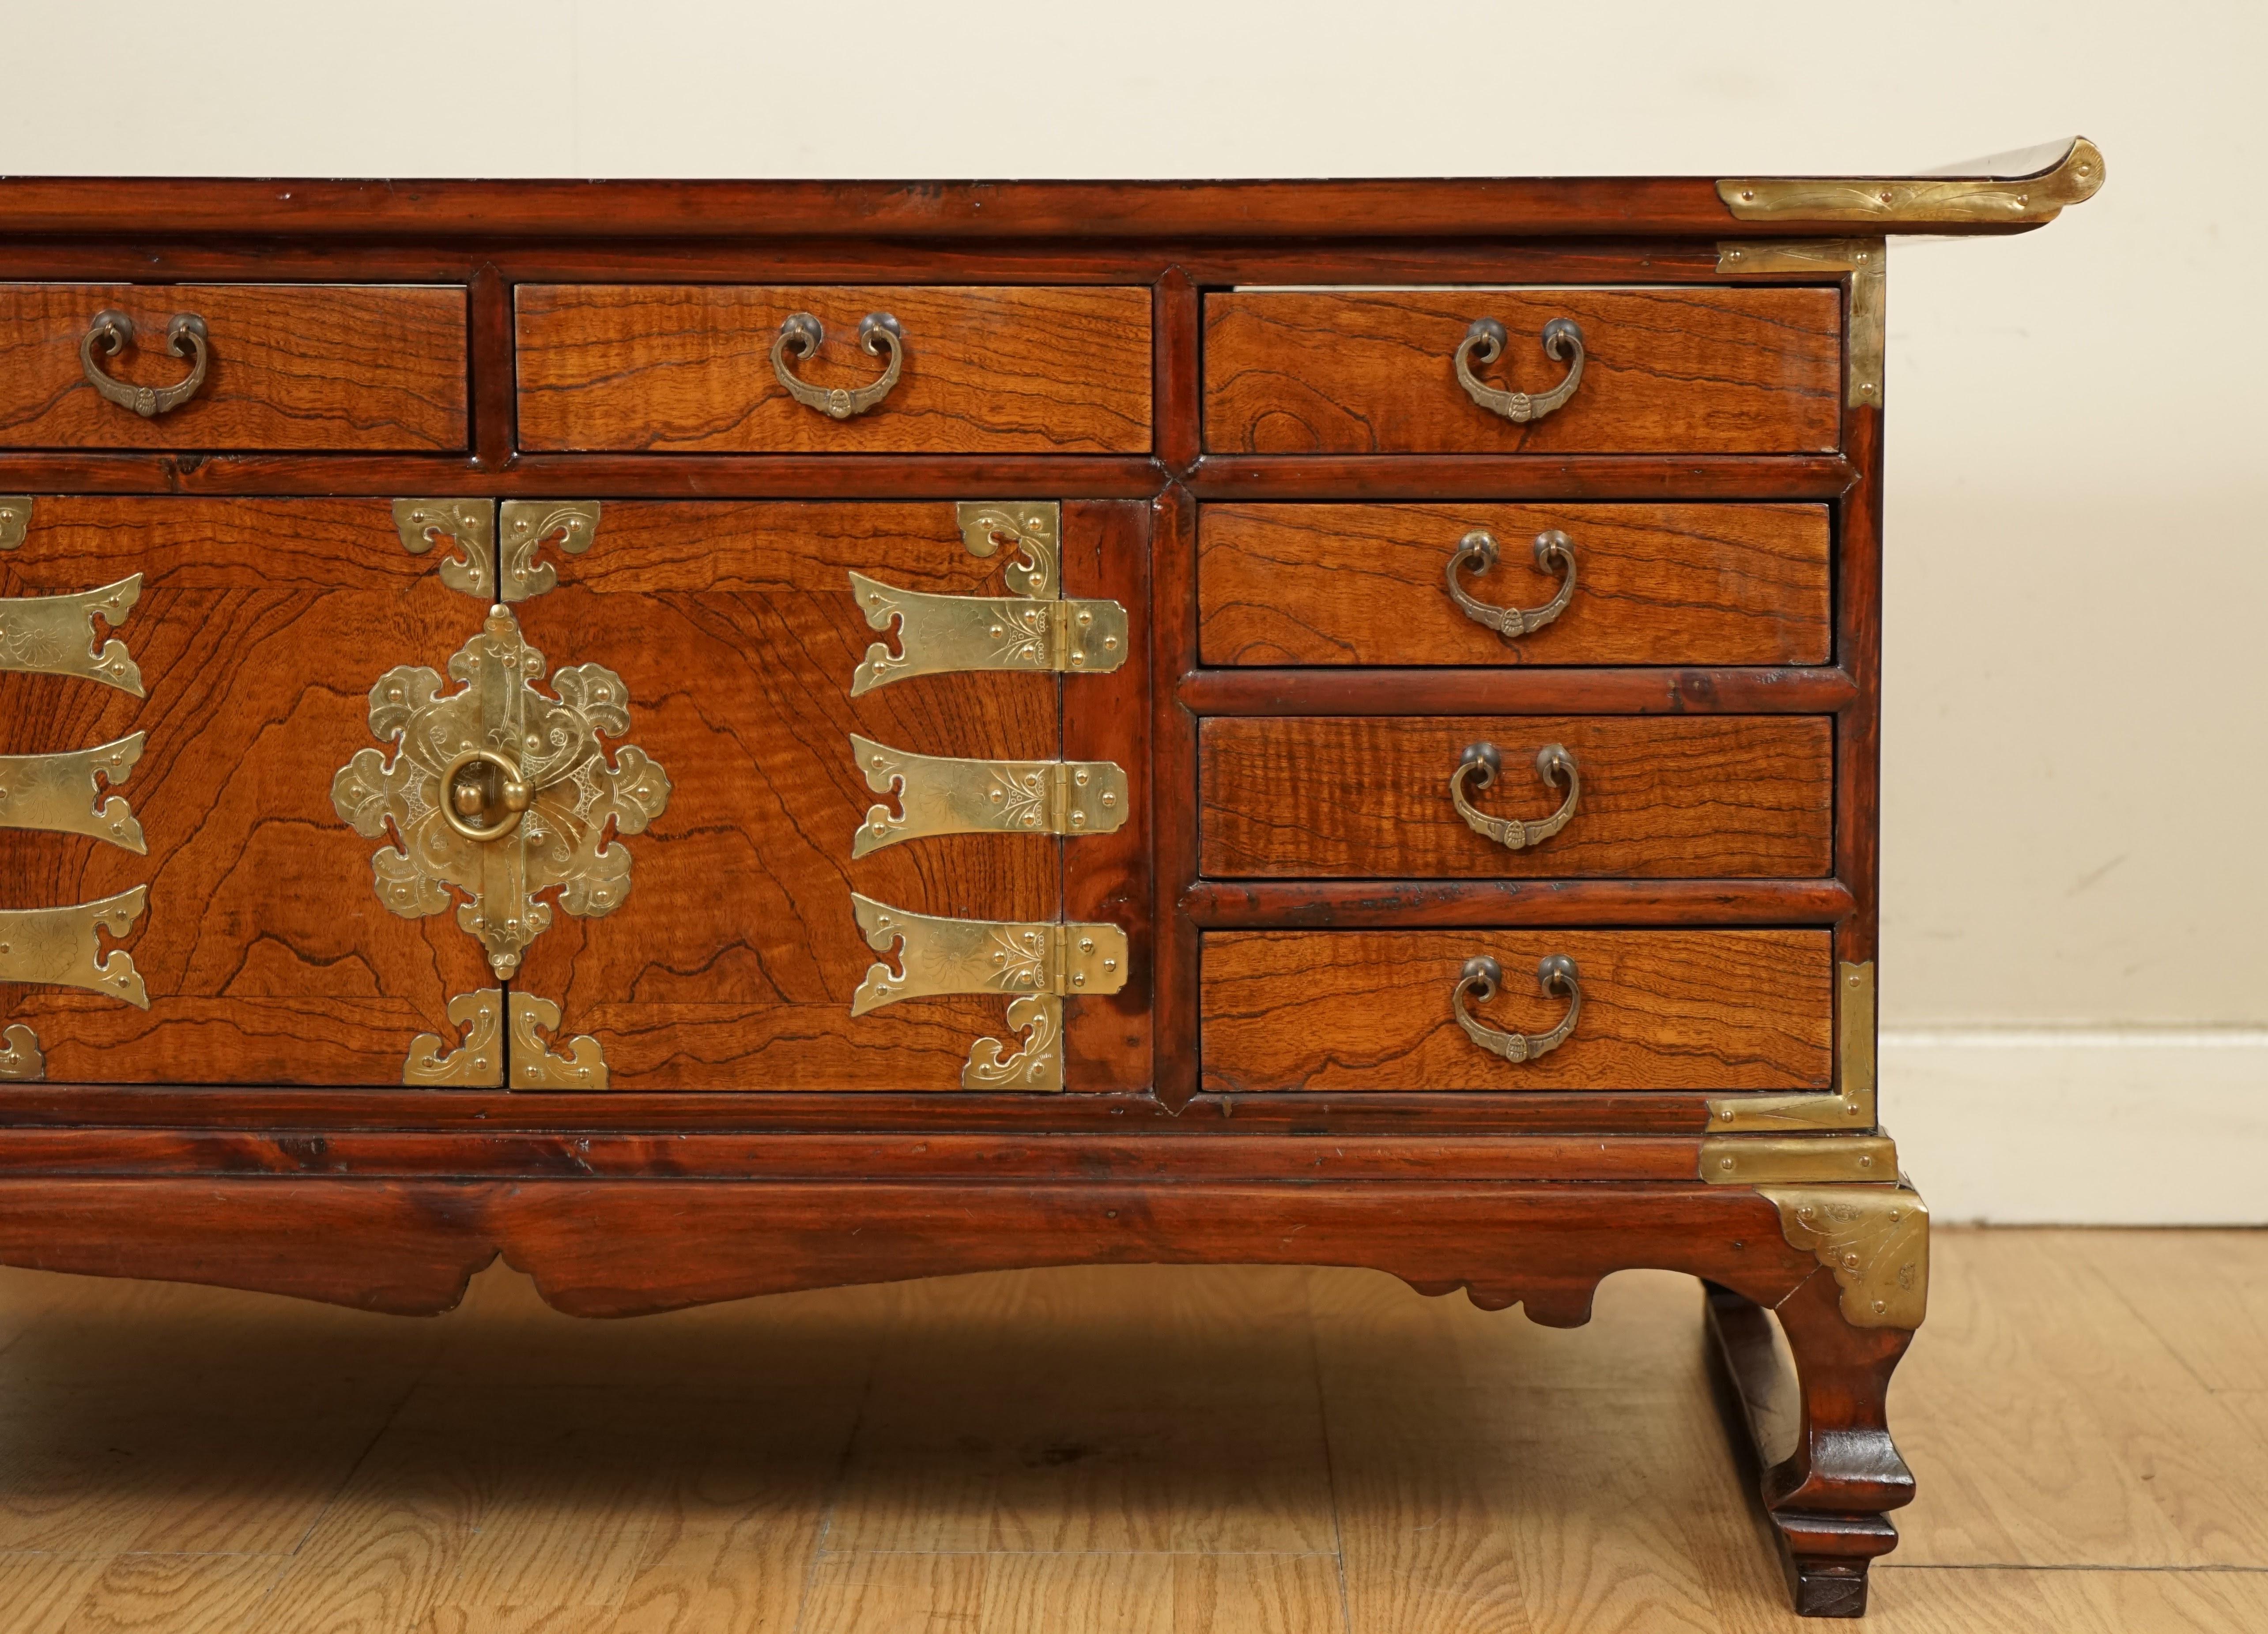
57,793
568,526
477,1062
1797,1159
21,1061
54,635
469,525
59,946
535,1065
937,795
15,520
499,791
1921,200
1851,1105
1866,261
1873,1238
1035,963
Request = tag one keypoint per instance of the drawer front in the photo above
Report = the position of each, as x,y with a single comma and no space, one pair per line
285,366
1365,372
233,680
1700,797
1362,1009
1370,584
691,369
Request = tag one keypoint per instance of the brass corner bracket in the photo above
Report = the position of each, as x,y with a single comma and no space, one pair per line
477,1062
570,526
470,525
1921,200
15,520
21,1059
1865,263
1851,1105
1797,1159
535,1066
1873,1238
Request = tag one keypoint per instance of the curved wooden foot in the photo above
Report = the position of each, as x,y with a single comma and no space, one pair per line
1820,1441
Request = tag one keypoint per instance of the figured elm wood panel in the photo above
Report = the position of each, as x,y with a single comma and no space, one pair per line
294,366
687,369
262,627
1664,797
1363,584
1682,371
1369,1010
732,963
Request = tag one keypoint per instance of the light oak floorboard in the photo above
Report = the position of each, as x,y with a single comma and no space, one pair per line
1109,1451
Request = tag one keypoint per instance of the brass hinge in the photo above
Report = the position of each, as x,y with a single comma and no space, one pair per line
1036,963
60,947
57,793
1921,200
21,1059
1866,263
1873,1238
54,634
1851,1105
937,795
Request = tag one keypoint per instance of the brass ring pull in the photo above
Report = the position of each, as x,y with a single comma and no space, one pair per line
482,795
1483,977
800,334
1478,551
1553,764
114,331
1562,338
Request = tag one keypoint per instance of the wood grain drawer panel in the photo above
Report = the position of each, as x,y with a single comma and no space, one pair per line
1366,797
687,369
1365,585
293,366
1670,371
1369,1010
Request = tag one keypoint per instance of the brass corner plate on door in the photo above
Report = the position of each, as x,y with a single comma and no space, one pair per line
21,1061
568,526
475,1063
1875,1239
468,525
15,520
54,635
60,947
57,793
938,795
535,1065
498,791
1032,527
1036,963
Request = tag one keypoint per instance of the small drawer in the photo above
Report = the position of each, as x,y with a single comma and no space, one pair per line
251,365
717,369
1381,585
1411,1010
1628,797
1667,371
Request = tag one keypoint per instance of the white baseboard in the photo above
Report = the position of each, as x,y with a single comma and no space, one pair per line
2138,1126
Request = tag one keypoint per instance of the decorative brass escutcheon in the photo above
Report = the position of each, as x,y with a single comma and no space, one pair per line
937,795
1477,550
1037,964
57,793
800,334
1482,978
54,634
1562,338
59,946
113,332
499,791
1553,764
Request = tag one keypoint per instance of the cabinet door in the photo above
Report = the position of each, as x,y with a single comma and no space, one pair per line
739,956
180,682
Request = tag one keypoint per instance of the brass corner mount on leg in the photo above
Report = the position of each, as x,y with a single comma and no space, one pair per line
1875,1239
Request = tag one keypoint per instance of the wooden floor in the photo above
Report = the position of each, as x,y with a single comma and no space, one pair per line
1137,1451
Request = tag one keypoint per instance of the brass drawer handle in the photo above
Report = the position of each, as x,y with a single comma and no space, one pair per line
1483,977
114,331
1553,764
1562,338
1477,550
800,334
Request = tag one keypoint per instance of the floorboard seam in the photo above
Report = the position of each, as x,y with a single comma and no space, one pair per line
1330,1465
835,1488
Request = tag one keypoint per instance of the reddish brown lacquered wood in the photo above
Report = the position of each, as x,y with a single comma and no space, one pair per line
261,626
342,366
1670,371
1173,741
733,961
1317,1010
1858,731
687,369
1434,478
1354,904
1514,691
409,1247
1368,797
1367,584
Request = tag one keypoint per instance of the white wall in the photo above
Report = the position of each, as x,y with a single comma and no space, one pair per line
2076,760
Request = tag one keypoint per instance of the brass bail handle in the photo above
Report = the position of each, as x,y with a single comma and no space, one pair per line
1482,978
1563,341
113,332
1553,764
800,334
482,795
1477,552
